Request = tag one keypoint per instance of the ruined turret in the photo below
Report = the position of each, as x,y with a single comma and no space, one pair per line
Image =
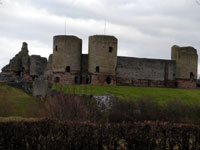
20,63
26,67
24,48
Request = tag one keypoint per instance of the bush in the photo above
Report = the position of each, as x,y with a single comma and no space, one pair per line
71,107
51,135
86,108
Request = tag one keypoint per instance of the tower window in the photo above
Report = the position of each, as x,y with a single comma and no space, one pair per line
34,77
191,76
176,84
57,79
97,68
108,80
87,80
81,78
68,69
110,49
56,48
76,80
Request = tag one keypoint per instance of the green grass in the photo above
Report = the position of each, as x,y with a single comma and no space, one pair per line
6,119
161,95
15,102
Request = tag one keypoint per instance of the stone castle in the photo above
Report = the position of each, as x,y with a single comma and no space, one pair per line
102,66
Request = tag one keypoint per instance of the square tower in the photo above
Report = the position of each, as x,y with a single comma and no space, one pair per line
186,66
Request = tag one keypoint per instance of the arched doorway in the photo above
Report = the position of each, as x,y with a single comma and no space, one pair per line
108,80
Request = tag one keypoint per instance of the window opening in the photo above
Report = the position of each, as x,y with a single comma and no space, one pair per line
76,80
81,78
191,76
108,80
34,77
56,48
87,80
110,49
68,69
176,84
97,69
57,79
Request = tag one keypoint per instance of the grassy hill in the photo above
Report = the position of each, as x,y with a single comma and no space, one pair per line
161,95
15,102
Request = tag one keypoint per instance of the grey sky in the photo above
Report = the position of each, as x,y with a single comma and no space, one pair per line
144,28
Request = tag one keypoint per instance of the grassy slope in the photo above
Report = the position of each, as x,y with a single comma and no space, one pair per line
15,102
161,95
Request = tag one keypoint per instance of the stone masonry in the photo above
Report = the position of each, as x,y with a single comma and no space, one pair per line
23,70
101,66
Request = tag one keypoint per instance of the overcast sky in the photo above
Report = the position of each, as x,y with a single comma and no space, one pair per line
144,28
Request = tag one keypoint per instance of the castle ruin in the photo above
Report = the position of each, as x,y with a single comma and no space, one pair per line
102,66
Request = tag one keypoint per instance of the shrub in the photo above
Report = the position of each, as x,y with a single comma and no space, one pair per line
50,134
72,107
86,108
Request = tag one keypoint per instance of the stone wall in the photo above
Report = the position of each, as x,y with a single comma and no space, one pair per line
50,62
49,72
145,72
66,78
40,88
103,80
101,66
188,84
84,63
38,65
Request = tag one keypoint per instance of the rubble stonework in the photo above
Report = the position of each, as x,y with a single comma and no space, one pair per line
101,66
19,65
23,68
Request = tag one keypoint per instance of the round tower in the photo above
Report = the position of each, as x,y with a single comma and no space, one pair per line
66,54
102,60
102,55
